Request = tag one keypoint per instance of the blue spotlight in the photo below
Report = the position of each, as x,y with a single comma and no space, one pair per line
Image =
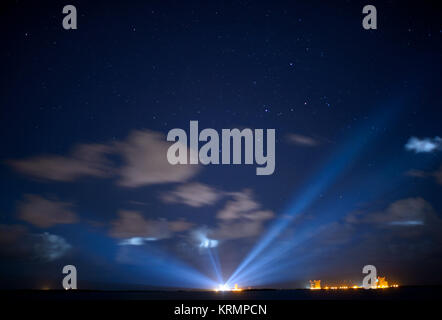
165,270
215,262
329,173
271,260
270,274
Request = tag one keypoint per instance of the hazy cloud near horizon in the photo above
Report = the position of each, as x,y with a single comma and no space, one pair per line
132,224
44,213
18,244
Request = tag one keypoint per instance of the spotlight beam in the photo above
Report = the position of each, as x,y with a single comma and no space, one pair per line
327,176
215,263
271,258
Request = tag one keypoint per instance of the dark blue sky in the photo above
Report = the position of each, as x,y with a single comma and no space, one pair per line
84,114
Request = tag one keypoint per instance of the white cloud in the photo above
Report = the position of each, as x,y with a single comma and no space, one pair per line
145,156
50,247
424,145
302,140
405,212
203,241
135,241
18,244
85,160
193,194
179,225
132,224
241,205
134,229
45,213
425,174
241,217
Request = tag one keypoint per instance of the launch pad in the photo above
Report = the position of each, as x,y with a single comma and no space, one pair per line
225,287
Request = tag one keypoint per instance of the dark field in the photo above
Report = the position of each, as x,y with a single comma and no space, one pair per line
402,293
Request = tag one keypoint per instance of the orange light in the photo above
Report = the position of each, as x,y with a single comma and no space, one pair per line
381,283
236,289
315,284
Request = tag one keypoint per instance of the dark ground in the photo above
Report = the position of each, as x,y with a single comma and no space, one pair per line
402,293
413,302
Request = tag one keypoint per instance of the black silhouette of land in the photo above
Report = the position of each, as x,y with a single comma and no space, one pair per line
401,293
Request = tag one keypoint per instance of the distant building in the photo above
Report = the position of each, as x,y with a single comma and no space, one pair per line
315,284
382,283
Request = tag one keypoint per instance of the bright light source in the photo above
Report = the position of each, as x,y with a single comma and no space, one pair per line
208,243
203,241
223,287
236,289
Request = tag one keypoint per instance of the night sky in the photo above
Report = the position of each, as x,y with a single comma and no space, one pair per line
85,113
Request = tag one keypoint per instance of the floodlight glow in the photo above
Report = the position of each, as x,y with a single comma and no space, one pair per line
204,242
135,241
223,287
208,243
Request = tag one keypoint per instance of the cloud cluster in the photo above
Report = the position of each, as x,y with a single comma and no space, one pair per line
406,231
44,213
49,247
133,229
135,241
405,212
400,221
16,243
145,155
241,217
84,160
424,145
202,240
424,174
139,160
144,162
193,194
